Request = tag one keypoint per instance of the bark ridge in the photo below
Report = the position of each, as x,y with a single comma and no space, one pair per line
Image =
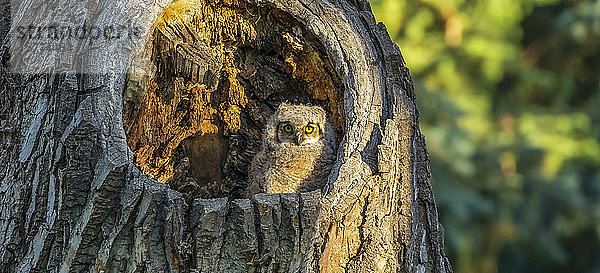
72,198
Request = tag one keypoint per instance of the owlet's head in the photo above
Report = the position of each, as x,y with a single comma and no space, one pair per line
299,124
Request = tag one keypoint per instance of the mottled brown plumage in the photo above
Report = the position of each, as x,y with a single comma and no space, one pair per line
298,150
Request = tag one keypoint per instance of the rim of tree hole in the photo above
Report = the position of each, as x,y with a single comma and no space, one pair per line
206,80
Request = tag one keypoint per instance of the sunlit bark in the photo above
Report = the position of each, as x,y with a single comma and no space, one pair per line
78,192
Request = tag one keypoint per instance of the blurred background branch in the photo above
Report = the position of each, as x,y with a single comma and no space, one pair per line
509,94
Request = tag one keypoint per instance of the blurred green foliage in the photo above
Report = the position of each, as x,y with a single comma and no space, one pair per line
509,95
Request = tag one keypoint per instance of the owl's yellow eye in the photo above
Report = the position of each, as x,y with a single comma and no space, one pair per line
309,129
287,128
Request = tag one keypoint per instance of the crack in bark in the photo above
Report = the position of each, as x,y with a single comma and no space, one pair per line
259,234
361,235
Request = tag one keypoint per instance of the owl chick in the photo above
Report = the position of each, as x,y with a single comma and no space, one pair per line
298,150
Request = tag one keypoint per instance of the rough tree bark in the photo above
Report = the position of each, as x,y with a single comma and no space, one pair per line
78,175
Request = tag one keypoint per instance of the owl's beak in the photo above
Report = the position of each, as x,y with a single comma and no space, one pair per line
299,139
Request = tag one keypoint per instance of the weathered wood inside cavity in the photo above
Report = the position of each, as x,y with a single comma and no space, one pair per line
72,198
218,70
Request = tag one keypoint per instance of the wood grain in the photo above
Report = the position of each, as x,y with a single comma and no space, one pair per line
73,198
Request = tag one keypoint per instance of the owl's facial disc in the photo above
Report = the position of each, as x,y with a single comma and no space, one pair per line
298,134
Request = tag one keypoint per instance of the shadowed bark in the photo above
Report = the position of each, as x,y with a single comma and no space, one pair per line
87,134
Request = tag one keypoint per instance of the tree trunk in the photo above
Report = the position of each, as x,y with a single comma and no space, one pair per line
85,139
